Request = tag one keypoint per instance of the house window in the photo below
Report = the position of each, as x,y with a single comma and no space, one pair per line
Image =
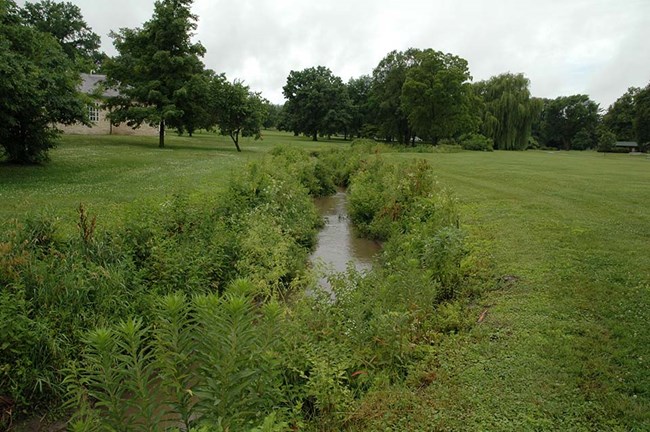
93,113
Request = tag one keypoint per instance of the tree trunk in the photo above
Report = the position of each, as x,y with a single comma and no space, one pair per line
235,139
161,135
315,137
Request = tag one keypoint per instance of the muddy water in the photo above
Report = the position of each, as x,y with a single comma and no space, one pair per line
337,241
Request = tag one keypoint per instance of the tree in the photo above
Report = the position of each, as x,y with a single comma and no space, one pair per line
565,117
238,111
621,115
316,101
65,22
436,96
155,68
642,121
360,109
606,139
509,110
388,79
273,115
38,84
193,102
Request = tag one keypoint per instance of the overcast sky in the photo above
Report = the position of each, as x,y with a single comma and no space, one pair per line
597,47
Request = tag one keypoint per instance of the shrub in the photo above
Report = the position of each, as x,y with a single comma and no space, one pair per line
477,142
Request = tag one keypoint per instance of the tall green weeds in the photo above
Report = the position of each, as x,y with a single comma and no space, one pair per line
181,318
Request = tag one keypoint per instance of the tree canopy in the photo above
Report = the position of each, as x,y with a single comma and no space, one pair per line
360,110
621,115
509,110
316,101
436,96
569,123
65,22
386,95
238,111
38,84
642,118
156,68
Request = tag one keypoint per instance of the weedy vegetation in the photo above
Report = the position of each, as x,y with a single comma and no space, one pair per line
199,311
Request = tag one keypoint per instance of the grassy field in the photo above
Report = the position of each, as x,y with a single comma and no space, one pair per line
564,344
107,173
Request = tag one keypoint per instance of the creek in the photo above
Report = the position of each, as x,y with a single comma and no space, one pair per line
338,244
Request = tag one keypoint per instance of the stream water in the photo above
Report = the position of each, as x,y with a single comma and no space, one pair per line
338,244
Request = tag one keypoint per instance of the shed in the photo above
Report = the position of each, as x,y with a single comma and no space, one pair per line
632,146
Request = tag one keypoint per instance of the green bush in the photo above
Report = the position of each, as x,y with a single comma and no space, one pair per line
476,142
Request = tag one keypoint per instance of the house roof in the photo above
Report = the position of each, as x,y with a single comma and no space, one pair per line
626,144
90,81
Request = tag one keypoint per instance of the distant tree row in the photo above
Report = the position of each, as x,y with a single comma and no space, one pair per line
428,95
413,95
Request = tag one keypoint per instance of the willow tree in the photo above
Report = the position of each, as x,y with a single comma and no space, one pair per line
509,110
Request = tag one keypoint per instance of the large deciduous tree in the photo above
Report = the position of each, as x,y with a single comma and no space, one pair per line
570,123
360,110
388,78
436,96
155,68
238,111
38,88
642,120
621,115
65,22
316,101
509,110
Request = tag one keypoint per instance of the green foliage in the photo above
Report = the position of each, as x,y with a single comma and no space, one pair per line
238,111
359,90
65,22
386,95
570,123
317,102
621,116
206,361
42,82
476,142
311,171
436,96
261,229
642,120
606,139
509,110
381,195
156,68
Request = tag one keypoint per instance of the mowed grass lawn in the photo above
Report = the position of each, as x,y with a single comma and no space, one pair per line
109,173
565,343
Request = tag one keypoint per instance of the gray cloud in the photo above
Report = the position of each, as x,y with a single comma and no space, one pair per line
597,47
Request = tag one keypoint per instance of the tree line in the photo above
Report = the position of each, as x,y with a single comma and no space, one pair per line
416,95
427,95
